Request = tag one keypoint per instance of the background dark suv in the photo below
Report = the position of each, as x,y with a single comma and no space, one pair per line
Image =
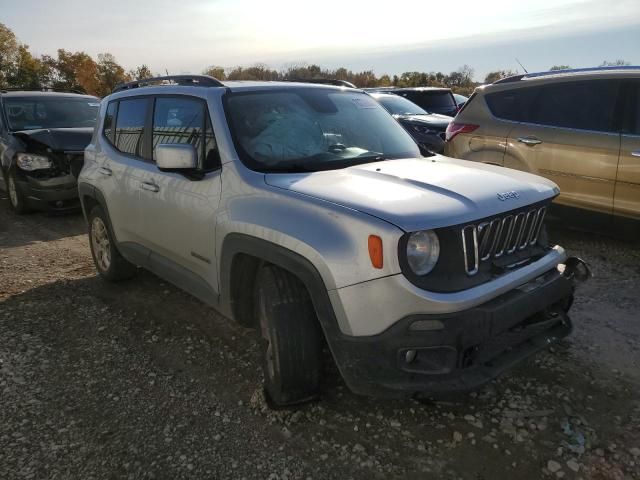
427,129
431,99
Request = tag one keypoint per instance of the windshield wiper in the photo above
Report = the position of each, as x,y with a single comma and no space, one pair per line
291,168
298,166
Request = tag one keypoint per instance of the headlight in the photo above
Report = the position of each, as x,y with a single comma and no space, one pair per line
423,250
30,162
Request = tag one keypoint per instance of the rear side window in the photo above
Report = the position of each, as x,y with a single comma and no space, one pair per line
473,96
185,121
130,126
581,105
588,105
110,121
635,109
511,104
431,99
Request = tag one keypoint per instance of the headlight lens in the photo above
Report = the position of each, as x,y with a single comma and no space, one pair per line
30,162
423,250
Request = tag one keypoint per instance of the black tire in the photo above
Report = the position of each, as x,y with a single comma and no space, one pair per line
291,338
109,263
17,201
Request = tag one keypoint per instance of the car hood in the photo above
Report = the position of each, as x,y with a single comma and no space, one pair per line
431,120
58,139
416,194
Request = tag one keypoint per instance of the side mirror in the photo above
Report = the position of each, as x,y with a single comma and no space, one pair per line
176,157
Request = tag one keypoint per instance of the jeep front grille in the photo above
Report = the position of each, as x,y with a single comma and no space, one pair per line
500,236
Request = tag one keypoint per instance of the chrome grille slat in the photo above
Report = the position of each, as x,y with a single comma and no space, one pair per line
518,227
470,267
500,236
509,229
539,220
527,228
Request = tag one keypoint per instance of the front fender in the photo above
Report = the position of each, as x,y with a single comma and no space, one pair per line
332,238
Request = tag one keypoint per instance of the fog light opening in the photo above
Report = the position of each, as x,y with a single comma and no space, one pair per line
426,325
410,356
59,204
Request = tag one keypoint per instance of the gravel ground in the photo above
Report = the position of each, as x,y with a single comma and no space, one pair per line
139,380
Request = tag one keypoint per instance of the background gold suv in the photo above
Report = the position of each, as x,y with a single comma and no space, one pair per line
579,128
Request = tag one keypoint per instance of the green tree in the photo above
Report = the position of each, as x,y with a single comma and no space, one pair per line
461,78
215,72
384,81
615,63
492,77
110,74
365,79
74,71
28,71
9,54
140,73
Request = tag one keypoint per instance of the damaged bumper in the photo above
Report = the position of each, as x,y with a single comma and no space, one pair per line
461,351
57,193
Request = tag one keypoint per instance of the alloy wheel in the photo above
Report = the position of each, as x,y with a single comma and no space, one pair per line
101,244
13,191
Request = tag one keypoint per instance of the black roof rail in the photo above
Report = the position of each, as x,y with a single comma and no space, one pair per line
581,70
525,76
182,80
512,78
325,81
380,89
43,89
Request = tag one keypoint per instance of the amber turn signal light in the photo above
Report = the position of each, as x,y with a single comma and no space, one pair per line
375,251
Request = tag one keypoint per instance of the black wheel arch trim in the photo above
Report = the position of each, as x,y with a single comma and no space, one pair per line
85,191
306,272
264,250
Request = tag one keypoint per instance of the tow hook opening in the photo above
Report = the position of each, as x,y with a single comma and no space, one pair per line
576,270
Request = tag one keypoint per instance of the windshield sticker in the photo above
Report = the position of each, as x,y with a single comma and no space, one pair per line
94,104
364,102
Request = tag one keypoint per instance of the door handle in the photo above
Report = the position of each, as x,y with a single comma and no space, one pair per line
529,140
635,153
105,171
152,187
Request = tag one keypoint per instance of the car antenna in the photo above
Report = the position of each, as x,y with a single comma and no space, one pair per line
525,70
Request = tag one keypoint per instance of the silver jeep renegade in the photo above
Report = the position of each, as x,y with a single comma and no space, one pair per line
306,212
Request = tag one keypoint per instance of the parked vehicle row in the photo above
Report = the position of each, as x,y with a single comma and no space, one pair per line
431,99
308,213
318,214
579,128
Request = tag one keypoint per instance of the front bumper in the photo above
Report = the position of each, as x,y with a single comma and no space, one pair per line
457,351
55,194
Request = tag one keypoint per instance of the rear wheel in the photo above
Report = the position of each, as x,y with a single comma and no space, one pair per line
291,338
108,261
16,199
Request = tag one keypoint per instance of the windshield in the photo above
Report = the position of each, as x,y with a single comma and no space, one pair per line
32,113
396,105
313,129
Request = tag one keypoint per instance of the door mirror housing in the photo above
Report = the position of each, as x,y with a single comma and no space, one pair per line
176,157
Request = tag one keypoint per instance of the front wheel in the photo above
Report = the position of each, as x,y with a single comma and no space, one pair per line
108,261
291,338
16,199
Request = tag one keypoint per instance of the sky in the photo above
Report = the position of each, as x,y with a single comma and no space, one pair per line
185,36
